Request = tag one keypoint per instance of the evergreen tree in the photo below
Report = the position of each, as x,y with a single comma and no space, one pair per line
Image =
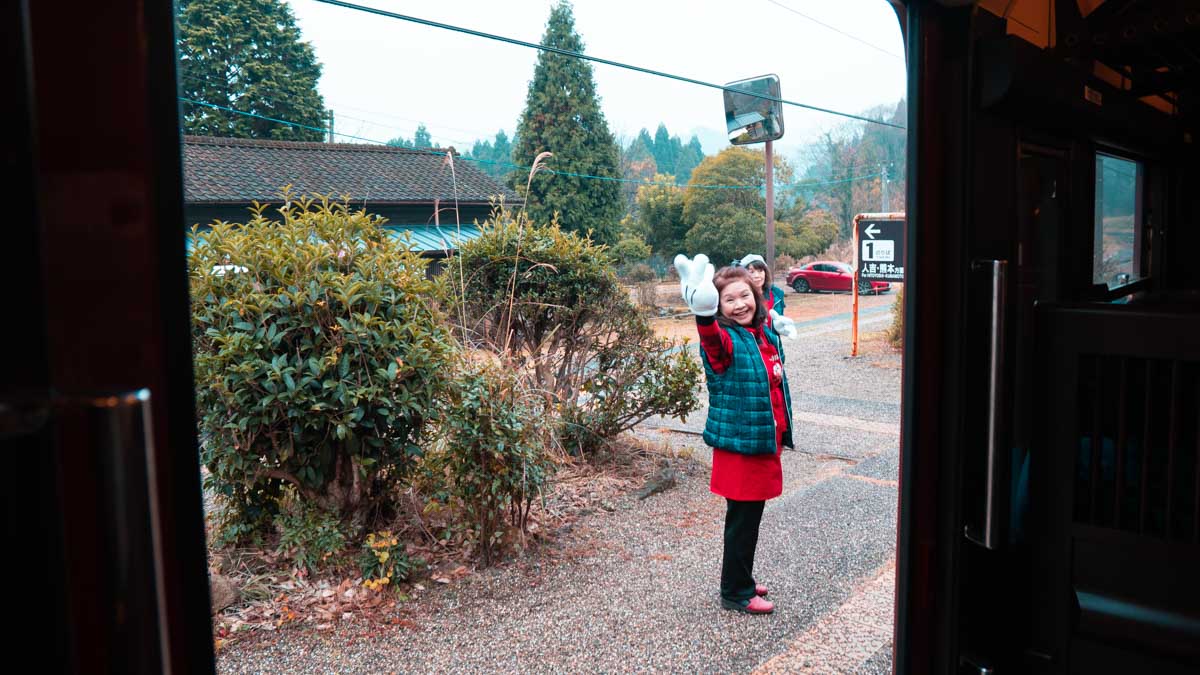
644,140
502,151
637,164
562,115
664,151
494,158
421,139
671,155
247,55
689,158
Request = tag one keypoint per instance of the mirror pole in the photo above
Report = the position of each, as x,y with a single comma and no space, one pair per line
770,177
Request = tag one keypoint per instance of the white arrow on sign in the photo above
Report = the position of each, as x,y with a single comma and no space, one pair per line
871,231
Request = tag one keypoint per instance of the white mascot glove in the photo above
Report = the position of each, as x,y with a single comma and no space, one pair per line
695,282
783,325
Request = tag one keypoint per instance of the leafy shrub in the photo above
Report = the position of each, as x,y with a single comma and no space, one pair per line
647,294
630,248
663,268
549,304
633,377
320,353
246,513
493,462
640,272
382,560
783,263
814,232
308,534
895,333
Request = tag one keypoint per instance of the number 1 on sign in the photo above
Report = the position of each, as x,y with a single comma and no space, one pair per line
878,250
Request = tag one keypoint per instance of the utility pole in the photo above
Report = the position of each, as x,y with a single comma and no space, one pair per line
770,175
331,136
883,208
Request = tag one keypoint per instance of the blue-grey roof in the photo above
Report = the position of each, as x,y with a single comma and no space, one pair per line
426,238
236,170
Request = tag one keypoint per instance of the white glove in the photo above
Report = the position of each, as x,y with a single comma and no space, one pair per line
783,325
695,282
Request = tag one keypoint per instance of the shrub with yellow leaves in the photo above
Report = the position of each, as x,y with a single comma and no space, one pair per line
383,560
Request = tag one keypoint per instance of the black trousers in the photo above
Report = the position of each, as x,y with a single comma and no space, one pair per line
741,539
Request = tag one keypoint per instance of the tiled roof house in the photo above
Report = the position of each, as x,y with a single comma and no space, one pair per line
222,176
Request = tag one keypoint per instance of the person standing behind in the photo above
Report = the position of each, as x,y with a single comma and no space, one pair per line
749,414
760,274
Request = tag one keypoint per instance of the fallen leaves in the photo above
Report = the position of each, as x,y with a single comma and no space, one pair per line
276,597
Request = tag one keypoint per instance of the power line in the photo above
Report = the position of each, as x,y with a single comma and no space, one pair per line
608,62
797,185
483,136
835,29
296,125
196,77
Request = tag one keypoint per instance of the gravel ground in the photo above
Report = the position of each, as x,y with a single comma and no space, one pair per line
635,590
885,466
880,663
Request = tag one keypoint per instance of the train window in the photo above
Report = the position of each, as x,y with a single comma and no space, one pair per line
1117,248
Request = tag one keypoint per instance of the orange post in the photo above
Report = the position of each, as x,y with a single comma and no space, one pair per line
854,290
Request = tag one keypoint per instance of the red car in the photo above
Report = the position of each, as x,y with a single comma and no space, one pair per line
828,275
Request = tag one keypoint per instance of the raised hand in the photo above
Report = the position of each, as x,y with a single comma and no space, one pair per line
783,325
695,283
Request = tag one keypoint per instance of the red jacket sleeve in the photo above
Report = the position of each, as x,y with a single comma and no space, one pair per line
715,342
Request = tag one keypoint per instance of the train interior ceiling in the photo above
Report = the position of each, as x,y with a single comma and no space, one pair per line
1080,172
1109,86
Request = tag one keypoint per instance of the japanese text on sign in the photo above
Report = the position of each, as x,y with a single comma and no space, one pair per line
881,250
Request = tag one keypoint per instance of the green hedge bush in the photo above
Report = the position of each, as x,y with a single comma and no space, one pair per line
492,463
550,304
321,353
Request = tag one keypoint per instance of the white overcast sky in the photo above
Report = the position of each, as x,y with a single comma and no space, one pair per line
384,76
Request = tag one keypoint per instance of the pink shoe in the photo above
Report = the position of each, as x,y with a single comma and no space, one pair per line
759,589
756,606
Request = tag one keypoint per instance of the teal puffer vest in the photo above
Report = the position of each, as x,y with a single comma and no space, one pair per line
739,400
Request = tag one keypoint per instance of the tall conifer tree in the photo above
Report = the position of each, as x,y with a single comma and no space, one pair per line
247,55
562,115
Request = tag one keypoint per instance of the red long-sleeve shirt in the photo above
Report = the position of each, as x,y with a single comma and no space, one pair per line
734,475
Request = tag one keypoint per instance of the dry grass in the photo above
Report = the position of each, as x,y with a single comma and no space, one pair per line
878,350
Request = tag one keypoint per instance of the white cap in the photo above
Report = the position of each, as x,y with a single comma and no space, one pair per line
753,258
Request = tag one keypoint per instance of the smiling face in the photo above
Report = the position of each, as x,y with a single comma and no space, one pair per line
737,303
757,275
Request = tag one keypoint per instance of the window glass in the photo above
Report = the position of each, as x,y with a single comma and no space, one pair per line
1117,246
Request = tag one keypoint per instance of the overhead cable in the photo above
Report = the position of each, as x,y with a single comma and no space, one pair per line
596,59
835,29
